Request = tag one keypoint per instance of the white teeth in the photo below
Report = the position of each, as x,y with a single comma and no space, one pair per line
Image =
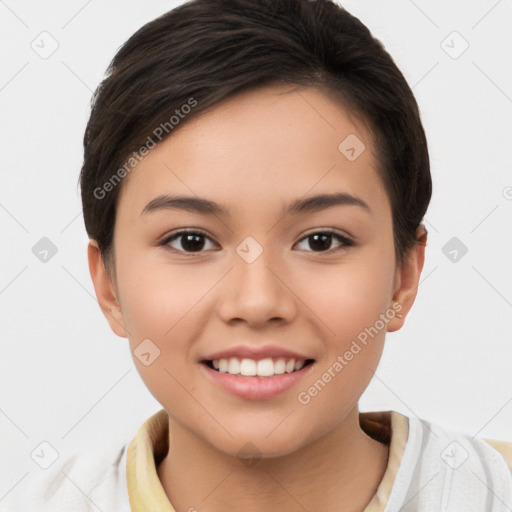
265,367
262,368
234,366
279,366
247,367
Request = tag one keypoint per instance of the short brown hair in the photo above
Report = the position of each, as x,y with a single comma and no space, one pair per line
208,50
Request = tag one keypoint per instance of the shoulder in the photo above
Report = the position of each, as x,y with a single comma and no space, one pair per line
87,480
458,448
446,468
504,448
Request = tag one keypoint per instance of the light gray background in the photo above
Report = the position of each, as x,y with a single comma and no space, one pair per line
68,380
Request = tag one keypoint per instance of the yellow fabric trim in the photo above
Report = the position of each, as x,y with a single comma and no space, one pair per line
144,488
504,448
398,433
150,445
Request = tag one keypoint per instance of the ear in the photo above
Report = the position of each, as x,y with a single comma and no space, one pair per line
105,290
407,280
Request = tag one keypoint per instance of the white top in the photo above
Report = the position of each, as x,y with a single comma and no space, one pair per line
429,469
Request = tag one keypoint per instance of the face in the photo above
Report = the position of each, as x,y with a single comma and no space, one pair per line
287,262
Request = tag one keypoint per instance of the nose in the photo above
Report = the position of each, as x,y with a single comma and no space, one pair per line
257,293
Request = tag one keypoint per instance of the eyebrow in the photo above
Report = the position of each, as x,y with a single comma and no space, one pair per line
299,206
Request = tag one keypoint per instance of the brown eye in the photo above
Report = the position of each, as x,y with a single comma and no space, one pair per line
187,241
322,241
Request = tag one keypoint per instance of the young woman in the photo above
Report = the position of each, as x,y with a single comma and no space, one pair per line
254,182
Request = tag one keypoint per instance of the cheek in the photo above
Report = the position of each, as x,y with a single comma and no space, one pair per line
156,296
350,301
350,297
350,309
163,304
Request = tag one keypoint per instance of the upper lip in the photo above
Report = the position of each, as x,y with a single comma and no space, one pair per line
256,353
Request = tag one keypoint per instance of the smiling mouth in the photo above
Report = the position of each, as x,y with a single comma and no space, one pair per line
267,367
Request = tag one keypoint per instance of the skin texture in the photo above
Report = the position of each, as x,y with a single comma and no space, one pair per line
254,153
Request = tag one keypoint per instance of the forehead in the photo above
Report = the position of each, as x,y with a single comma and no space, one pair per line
273,143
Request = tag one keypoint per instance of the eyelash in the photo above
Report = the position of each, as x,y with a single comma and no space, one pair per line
343,239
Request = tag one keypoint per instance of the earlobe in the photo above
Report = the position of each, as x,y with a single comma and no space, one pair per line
105,290
407,281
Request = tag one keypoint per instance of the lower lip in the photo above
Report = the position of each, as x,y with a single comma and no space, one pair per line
256,388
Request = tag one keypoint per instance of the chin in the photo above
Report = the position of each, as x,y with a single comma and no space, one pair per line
252,445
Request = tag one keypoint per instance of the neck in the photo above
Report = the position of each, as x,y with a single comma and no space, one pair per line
340,470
